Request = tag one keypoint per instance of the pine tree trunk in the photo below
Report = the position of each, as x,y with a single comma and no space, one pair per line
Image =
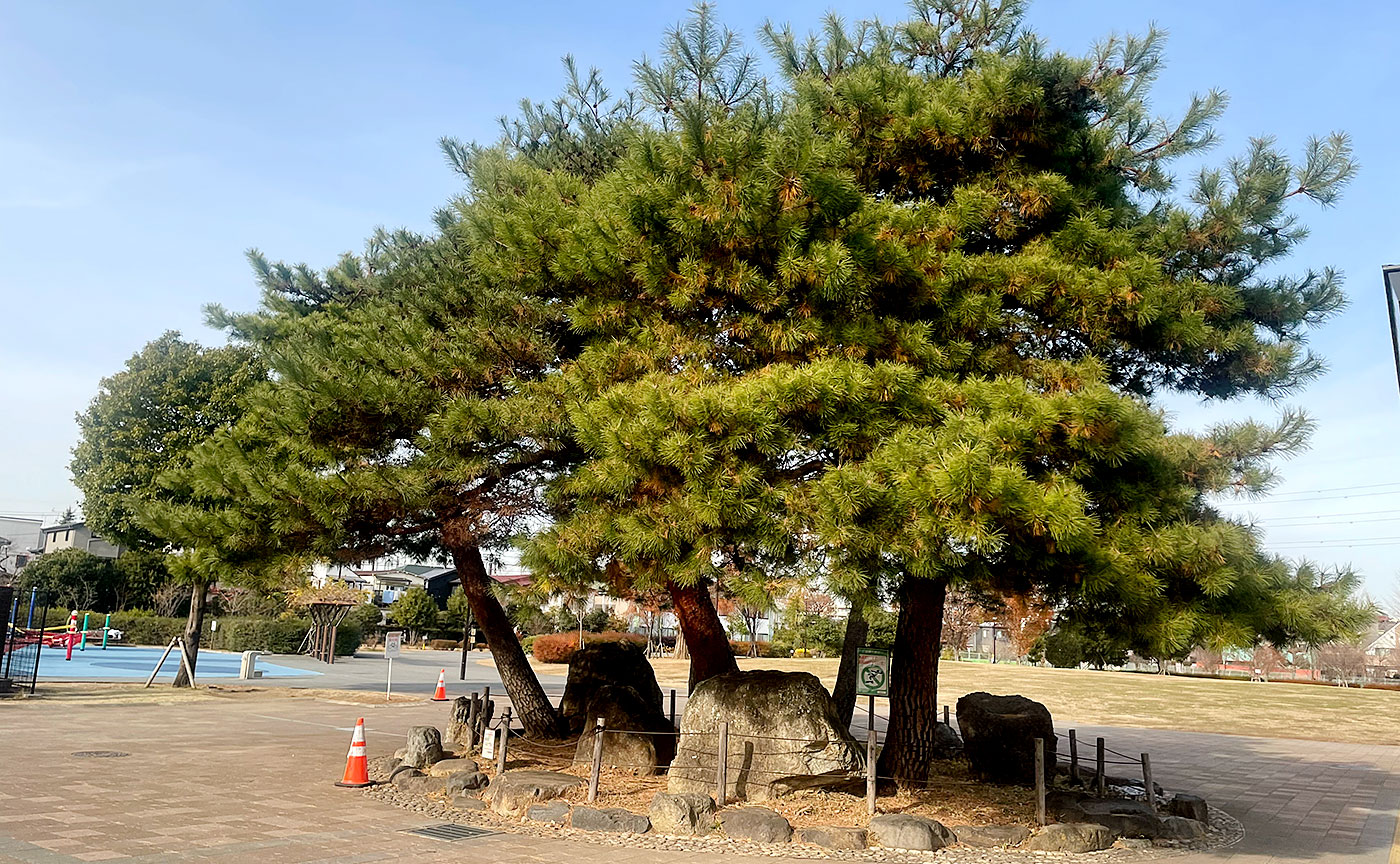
844,693
194,625
705,636
682,651
527,697
911,741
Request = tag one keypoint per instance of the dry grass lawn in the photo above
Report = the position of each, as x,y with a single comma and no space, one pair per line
1150,701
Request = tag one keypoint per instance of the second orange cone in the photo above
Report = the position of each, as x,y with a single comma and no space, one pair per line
441,694
356,761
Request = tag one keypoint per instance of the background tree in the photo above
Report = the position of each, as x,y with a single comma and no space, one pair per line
415,610
962,616
1025,618
74,579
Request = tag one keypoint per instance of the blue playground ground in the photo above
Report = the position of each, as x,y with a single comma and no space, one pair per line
131,661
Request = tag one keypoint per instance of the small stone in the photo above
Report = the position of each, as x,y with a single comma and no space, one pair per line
424,747
991,836
906,831
612,819
466,781
555,812
1070,837
834,838
468,802
1137,843
685,813
448,767
755,823
418,783
1190,807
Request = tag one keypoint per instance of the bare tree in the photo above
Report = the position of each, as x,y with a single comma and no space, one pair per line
1342,662
1025,618
961,618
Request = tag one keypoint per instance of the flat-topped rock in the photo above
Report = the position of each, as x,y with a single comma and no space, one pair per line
616,820
907,831
834,837
991,836
510,793
1070,837
448,767
755,823
686,814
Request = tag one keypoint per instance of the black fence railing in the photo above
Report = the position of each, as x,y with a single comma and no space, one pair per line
22,639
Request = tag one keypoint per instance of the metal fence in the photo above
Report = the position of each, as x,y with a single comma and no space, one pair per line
25,618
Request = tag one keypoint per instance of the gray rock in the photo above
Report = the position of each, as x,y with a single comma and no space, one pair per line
418,783
755,823
448,767
991,836
907,831
947,743
834,837
1124,817
999,735
510,793
613,819
1180,828
468,802
685,814
424,747
625,711
1070,837
555,812
1133,843
620,664
459,730
1189,806
466,781
761,706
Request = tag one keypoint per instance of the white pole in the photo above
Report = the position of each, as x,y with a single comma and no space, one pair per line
389,681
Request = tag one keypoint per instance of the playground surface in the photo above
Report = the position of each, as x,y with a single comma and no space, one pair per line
135,662
248,776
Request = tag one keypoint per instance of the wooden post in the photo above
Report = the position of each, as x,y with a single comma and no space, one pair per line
486,712
1102,780
722,765
1040,781
1147,782
505,736
597,761
466,637
870,771
673,707
946,721
473,716
870,714
155,671
185,662
1073,757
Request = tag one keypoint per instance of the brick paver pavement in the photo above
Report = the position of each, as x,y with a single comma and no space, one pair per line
249,779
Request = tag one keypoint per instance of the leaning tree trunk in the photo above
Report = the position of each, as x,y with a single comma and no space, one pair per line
911,741
844,693
532,706
705,636
194,625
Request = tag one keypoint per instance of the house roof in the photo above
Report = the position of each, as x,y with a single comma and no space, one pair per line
1387,635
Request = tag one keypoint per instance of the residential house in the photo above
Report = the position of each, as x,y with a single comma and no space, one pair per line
76,535
20,540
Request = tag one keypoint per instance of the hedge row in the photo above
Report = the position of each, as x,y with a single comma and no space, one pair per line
559,647
275,635
741,648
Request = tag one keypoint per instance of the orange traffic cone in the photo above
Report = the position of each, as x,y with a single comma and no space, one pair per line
356,762
441,694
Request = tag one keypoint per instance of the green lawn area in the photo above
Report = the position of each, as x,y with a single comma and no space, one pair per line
1152,701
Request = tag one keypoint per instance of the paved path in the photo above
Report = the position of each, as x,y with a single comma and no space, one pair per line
249,779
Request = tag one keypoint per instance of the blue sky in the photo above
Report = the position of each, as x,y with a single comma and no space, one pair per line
145,146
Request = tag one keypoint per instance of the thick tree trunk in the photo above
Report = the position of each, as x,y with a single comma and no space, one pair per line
527,697
194,625
911,741
844,693
705,637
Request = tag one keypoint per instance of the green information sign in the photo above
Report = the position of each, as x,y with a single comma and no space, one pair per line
873,672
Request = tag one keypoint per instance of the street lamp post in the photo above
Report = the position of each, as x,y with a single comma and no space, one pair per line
1391,272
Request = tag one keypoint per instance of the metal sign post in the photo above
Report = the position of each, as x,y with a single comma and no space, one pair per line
393,641
872,678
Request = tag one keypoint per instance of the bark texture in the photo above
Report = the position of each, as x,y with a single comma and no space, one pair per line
705,636
194,625
527,697
912,742
844,693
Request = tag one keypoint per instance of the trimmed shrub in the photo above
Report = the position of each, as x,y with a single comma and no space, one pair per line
445,644
559,647
741,648
275,635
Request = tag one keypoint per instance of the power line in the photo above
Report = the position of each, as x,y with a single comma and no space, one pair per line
1305,500
1276,519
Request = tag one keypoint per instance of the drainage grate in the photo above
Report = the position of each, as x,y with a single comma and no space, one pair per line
98,754
449,831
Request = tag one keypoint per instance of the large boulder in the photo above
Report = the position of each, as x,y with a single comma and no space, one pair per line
424,747
464,782
907,831
999,735
834,837
781,724
686,814
755,823
448,767
635,736
1189,807
459,730
1124,817
1061,837
510,793
616,820
618,664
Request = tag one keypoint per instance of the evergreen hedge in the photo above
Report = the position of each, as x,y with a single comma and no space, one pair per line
274,635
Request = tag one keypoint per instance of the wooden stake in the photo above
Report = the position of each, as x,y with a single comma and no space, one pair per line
673,707
156,671
473,715
1147,782
1040,781
185,662
722,765
1102,780
870,772
597,761
505,736
1073,757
